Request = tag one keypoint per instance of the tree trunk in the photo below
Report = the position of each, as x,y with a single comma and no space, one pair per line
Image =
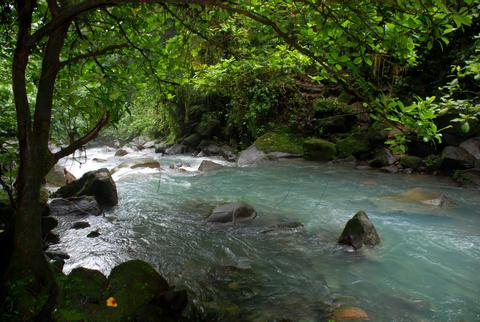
32,289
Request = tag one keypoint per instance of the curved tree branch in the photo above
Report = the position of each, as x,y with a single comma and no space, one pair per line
90,135
94,54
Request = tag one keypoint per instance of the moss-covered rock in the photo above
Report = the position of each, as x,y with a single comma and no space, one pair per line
357,145
134,291
279,142
412,162
319,149
135,284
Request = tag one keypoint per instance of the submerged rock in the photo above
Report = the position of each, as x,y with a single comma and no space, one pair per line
359,231
419,195
78,206
208,165
232,212
97,183
289,226
349,314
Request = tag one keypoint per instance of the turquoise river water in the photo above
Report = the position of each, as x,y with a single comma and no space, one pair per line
426,269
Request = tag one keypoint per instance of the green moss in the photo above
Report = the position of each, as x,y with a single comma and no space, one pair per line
319,149
353,145
411,162
134,284
279,142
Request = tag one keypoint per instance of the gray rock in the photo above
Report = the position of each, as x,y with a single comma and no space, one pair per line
359,231
232,212
97,183
80,225
56,176
251,156
139,142
161,147
457,158
211,149
472,146
78,206
149,145
176,149
93,234
208,165
121,153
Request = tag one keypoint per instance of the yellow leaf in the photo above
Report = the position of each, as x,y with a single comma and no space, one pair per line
112,302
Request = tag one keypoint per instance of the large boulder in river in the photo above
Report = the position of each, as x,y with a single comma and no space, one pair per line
232,212
359,231
98,183
251,156
77,206
454,157
208,165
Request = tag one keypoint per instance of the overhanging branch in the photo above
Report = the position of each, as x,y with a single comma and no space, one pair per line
90,135
94,54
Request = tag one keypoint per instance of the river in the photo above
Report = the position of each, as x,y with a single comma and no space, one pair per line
426,268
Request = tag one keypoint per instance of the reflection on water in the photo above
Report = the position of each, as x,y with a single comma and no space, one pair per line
424,270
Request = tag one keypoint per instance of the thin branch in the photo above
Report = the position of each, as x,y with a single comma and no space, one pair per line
140,50
90,135
73,11
94,54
